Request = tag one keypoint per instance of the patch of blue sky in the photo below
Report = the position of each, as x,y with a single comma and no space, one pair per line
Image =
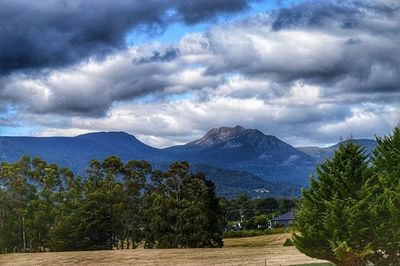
7,111
231,74
155,98
265,6
10,127
181,96
17,130
175,31
145,99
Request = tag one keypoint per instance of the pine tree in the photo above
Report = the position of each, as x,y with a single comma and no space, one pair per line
384,193
331,223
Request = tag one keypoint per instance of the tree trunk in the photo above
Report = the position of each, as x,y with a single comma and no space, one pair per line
23,234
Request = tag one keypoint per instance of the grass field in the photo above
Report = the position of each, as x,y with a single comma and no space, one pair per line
259,250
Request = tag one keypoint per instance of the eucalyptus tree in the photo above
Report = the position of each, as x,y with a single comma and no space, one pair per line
181,210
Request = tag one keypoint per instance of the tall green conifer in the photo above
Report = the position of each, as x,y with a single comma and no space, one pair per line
330,224
384,193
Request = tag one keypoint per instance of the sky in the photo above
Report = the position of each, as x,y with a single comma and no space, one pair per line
167,71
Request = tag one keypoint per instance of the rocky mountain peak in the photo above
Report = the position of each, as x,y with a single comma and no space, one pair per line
222,135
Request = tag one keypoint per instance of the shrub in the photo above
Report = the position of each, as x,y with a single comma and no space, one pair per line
249,233
288,242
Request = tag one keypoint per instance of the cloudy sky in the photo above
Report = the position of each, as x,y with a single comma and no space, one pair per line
167,71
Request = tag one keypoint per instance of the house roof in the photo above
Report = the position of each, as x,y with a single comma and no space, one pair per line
284,217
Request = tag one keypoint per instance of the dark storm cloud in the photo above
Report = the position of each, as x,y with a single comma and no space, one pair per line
345,65
51,33
316,14
358,14
170,54
194,11
54,33
92,88
345,46
368,64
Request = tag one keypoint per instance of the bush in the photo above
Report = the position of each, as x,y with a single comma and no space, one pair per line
288,242
249,233
242,233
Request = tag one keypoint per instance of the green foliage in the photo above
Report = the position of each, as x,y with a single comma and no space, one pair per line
288,242
261,220
44,207
28,195
181,210
255,213
351,214
331,223
249,233
242,233
383,193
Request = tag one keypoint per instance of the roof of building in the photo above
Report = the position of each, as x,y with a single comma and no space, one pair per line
284,217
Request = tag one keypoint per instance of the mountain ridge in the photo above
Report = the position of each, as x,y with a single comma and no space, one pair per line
323,153
237,152
248,150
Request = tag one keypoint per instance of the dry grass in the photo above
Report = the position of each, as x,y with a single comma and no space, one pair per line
257,241
238,251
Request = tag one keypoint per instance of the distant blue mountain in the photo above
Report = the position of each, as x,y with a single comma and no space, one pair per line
76,152
321,154
236,159
248,150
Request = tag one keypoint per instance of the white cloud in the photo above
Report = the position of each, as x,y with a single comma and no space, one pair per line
364,122
306,83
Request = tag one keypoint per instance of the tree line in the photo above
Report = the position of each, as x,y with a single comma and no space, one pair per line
44,207
351,213
255,213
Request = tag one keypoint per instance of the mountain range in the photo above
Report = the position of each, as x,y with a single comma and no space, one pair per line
321,154
248,150
236,159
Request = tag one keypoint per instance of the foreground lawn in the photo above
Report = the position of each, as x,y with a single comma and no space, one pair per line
316,264
238,251
273,240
